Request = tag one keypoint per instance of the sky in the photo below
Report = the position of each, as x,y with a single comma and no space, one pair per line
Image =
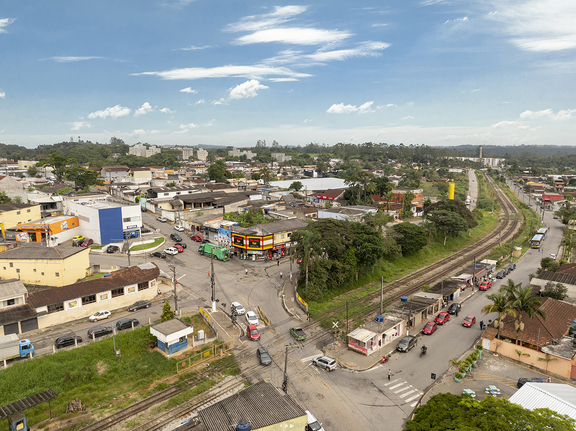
231,72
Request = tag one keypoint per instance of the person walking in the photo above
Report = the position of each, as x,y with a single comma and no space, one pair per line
308,316
456,312
246,271
481,324
280,274
278,263
389,373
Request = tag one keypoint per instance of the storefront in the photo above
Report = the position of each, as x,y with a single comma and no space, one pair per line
58,229
252,247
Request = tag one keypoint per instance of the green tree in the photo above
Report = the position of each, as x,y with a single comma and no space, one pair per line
527,303
450,223
81,176
4,199
499,305
410,237
170,184
368,245
548,264
167,313
59,165
217,171
407,205
305,240
448,411
32,171
557,291
296,186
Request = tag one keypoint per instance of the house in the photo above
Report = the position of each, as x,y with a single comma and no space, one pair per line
542,343
565,275
172,335
12,187
376,334
114,172
13,214
80,300
141,175
261,404
16,316
420,308
45,266
329,196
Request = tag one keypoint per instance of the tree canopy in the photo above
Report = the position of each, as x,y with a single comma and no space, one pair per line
411,237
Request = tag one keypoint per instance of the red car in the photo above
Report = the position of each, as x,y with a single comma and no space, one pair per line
429,328
253,332
195,238
469,321
442,318
485,285
179,248
87,242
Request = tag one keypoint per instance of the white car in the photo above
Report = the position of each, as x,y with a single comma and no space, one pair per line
179,228
171,250
104,314
237,308
252,318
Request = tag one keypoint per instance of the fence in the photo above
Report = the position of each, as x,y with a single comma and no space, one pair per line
202,356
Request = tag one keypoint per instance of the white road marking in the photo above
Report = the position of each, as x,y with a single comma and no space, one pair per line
408,393
413,398
403,389
389,383
310,358
398,385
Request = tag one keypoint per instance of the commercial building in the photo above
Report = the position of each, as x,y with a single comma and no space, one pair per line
13,214
45,266
52,230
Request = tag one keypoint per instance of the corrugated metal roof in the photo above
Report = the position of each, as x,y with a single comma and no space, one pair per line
558,397
361,334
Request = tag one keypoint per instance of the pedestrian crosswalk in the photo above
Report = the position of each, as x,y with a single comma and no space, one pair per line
405,391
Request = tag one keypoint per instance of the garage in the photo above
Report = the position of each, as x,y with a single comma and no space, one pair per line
29,325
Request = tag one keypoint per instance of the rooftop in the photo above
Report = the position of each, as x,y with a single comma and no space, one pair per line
11,288
42,253
171,326
12,207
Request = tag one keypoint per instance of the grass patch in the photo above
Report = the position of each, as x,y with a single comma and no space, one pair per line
97,246
94,276
156,243
368,282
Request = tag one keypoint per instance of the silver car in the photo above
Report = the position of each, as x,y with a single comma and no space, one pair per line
325,362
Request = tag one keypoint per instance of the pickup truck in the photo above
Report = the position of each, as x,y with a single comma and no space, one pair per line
11,347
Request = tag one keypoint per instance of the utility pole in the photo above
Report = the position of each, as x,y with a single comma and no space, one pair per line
347,332
212,283
174,282
382,295
474,274
285,382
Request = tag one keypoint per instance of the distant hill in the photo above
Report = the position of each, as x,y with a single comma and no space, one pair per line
516,150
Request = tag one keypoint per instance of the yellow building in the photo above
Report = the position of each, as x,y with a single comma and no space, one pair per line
45,266
13,214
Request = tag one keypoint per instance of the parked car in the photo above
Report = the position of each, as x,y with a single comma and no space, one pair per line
236,308
325,362
500,274
112,249
263,356
104,314
179,248
172,251
407,343
195,238
252,332
87,242
442,318
179,228
204,241
175,237
429,328
469,321
485,285
131,234
312,423
77,243
453,307
505,270
181,244
162,219
78,238
126,323
252,318
298,333
99,331
511,267
145,230
523,380
139,305
67,340
160,254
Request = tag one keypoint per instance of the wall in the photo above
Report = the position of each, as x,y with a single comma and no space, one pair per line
85,311
22,215
131,217
296,424
110,225
70,270
561,367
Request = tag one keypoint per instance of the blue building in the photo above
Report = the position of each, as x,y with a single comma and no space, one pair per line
172,335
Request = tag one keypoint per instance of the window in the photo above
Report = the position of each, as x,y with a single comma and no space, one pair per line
118,292
42,273
34,269
17,212
17,270
182,340
142,286
11,302
90,299
57,274
54,308
11,264
28,210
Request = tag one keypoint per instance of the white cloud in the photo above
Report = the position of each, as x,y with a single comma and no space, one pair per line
295,36
200,102
210,123
503,124
256,72
194,48
561,115
379,25
409,117
340,108
188,90
222,101
246,89
139,132
143,110
77,125
391,105
166,111
283,79
188,126
475,90
431,2
2,95
538,25
278,16
457,21
71,59
307,120
5,22
114,112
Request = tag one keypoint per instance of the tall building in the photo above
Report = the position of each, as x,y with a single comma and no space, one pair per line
202,154
140,150
281,157
235,152
187,153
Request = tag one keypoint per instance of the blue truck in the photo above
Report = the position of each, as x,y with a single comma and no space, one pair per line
12,348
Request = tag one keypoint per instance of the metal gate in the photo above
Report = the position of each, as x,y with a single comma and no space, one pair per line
29,325
11,328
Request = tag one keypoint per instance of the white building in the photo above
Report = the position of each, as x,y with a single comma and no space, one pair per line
187,153
281,157
235,152
140,150
202,154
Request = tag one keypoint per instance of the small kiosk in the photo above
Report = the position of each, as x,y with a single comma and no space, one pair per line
172,335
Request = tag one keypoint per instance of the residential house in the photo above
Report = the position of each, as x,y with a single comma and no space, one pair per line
13,188
45,266
349,213
14,214
16,316
141,175
113,173
329,196
376,334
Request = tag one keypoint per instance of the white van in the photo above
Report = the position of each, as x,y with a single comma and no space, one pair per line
313,424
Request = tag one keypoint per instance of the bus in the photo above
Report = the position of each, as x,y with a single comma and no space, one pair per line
537,241
542,231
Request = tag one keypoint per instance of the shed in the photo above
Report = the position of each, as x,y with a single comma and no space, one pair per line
558,397
172,335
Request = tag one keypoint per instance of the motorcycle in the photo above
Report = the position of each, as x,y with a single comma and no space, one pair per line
423,351
385,358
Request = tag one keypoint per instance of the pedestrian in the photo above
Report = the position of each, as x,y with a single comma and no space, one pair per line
278,262
246,271
490,277
481,324
389,373
456,312
549,379
208,275
308,316
280,274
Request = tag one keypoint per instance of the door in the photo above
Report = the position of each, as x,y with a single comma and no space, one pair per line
29,325
11,328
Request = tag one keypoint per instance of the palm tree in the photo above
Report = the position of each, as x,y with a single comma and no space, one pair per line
527,303
306,239
388,197
499,305
511,290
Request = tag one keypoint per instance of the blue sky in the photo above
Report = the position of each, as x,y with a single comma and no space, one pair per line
197,72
